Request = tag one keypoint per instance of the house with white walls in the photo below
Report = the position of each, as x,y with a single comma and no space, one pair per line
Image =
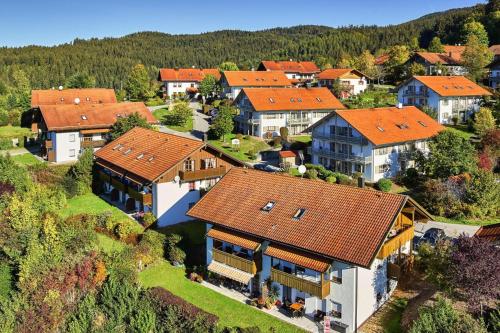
450,97
494,74
299,72
165,174
263,111
448,62
65,130
333,252
377,143
179,82
352,81
232,82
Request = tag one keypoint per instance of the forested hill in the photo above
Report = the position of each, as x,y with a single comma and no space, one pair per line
109,60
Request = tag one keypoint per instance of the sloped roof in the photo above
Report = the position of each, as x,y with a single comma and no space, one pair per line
391,125
235,238
382,59
455,51
87,116
495,49
442,58
256,79
287,153
298,257
491,232
452,86
187,74
284,99
147,153
335,73
68,96
342,222
304,67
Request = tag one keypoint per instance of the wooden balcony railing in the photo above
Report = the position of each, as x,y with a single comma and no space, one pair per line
202,174
48,144
319,289
104,177
118,185
393,244
145,198
93,143
234,261
393,271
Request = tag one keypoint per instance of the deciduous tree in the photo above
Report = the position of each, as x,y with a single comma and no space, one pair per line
228,66
208,86
125,124
138,84
484,121
435,45
223,123
476,57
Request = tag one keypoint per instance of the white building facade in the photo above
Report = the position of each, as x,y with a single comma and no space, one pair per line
352,82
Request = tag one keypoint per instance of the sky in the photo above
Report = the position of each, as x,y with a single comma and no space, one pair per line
51,22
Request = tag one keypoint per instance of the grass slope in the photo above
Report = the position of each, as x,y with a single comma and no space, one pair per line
26,159
247,144
231,313
14,131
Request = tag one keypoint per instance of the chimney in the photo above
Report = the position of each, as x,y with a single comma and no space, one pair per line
450,54
361,182
205,137
399,105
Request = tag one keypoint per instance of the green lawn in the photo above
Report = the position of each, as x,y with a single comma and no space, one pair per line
231,313
14,131
392,323
5,280
192,232
247,144
161,113
461,130
26,159
302,138
467,221
108,244
371,98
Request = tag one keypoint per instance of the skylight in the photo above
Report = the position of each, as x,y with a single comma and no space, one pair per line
299,99
140,156
271,100
151,159
128,151
268,206
422,123
299,213
292,100
318,99
84,117
380,128
117,146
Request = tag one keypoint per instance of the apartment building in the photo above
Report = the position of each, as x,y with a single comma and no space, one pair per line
232,82
352,81
378,143
165,174
262,112
297,71
451,97
178,82
447,63
332,249
72,124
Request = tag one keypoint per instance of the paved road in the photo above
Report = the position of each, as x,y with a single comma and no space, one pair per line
451,230
200,124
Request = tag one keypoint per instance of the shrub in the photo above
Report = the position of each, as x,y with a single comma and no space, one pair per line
122,230
311,174
411,177
277,141
384,184
252,154
239,136
344,179
174,254
5,143
331,179
148,219
154,242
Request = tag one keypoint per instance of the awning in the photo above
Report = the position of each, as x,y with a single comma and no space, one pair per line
297,257
234,238
95,131
230,272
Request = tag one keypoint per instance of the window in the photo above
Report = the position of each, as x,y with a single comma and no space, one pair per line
445,101
209,163
342,131
344,148
332,130
382,168
299,213
189,165
336,310
337,275
300,271
72,138
72,153
332,147
268,206
192,186
382,151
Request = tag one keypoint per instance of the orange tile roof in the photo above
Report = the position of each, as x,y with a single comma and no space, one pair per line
234,238
256,79
382,59
290,99
66,117
342,222
334,73
399,125
491,232
455,51
452,86
151,153
435,58
304,67
287,153
297,257
187,74
68,96
495,49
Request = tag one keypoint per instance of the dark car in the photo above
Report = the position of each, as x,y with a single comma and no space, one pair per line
260,166
267,167
431,236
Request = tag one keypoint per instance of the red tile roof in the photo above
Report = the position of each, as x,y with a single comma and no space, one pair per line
256,79
289,99
304,67
382,59
441,58
147,153
452,86
491,232
455,51
287,153
390,125
342,222
234,238
86,116
187,74
495,49
298,257
335,73
68,96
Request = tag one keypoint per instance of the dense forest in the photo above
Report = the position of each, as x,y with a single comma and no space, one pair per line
109,60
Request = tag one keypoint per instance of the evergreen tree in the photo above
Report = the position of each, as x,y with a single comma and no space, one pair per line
436,46
80,80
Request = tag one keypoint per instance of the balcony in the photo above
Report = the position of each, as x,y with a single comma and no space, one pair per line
406,155
299,121
243,119
413,93
92,143
188,176
393,271
118,185
145,198
341,138
234,261
48,144
103,177
319,289
393,244
343,156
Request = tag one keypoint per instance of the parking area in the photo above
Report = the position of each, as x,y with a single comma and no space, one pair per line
451,230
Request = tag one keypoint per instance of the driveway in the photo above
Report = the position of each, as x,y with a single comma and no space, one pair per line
451,230
200,124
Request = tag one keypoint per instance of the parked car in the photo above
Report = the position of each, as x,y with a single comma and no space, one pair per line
431,236
267,167
260,166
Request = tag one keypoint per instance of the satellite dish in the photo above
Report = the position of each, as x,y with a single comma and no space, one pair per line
235,142
77,101
60,87
176,179
302,169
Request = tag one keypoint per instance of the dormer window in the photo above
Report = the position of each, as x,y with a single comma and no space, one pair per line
299,213
84,117
268,206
